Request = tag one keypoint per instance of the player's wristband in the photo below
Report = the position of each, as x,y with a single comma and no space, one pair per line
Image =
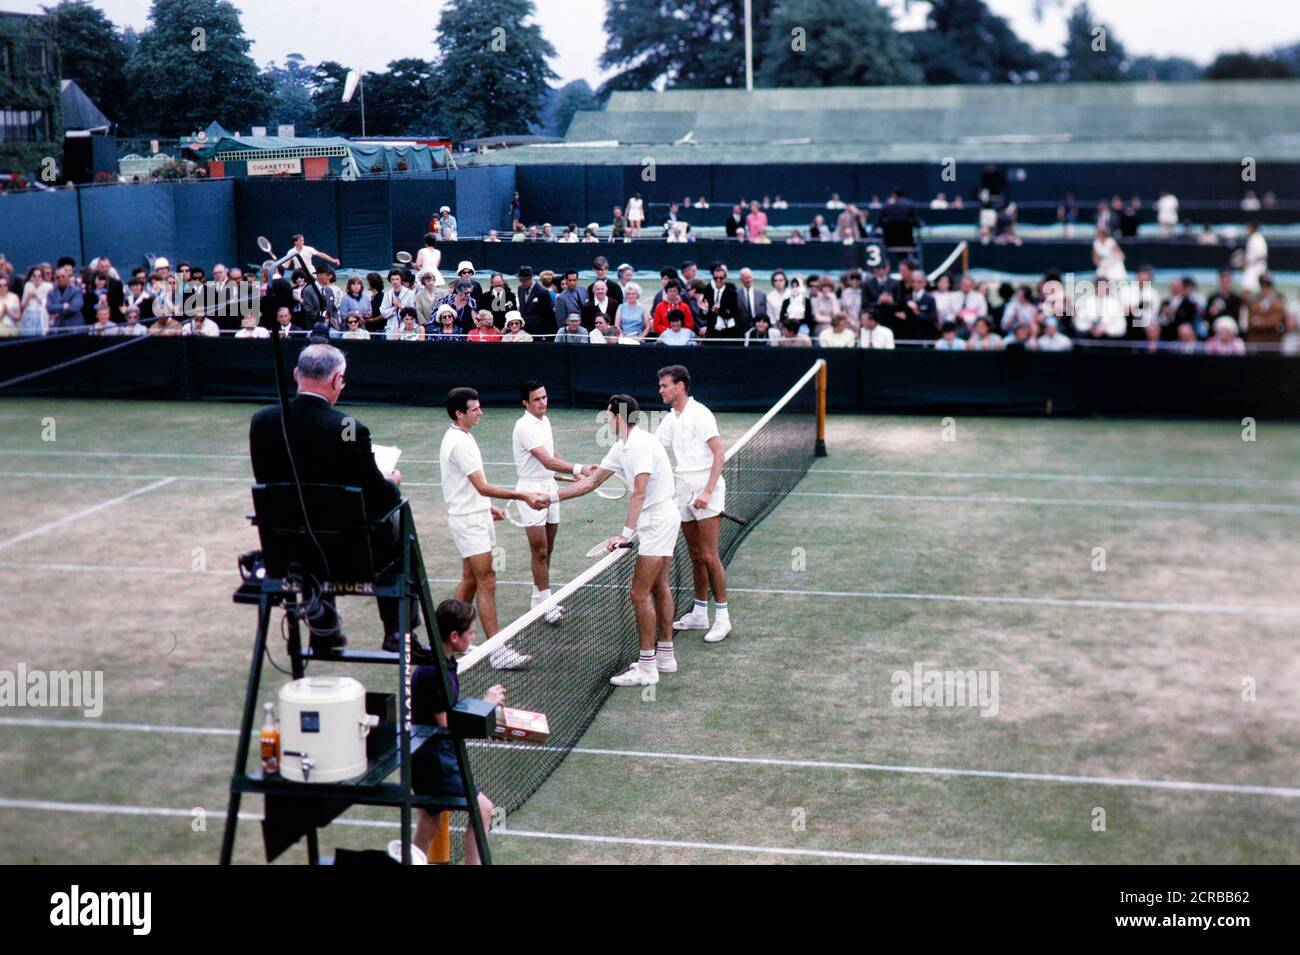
627,534
577,470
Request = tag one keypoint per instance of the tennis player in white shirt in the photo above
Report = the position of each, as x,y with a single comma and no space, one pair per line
653,520
535,460
692,432
470,515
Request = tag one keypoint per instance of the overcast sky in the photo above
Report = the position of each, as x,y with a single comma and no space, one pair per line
375,32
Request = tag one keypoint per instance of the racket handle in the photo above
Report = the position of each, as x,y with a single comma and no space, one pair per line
732,517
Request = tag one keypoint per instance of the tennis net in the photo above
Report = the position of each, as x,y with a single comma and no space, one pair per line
568,678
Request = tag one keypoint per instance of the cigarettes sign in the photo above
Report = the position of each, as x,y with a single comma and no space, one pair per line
271,167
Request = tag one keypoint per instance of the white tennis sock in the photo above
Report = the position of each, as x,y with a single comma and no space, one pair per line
665,650
646,660
701,607
722,614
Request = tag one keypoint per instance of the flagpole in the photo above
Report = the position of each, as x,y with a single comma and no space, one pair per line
361,82
749,46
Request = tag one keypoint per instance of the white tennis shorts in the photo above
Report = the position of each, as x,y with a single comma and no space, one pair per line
656,530
474,533
717,500
535,518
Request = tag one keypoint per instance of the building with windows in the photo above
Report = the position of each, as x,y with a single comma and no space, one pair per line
31,121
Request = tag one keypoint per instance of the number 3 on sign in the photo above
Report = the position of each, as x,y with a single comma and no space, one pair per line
873,256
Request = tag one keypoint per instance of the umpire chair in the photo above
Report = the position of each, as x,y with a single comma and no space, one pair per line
317,540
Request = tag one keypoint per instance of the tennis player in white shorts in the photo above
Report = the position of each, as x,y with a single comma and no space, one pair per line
653,520
472,516
537,463
692,432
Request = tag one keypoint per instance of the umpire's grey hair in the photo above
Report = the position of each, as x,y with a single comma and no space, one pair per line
320,362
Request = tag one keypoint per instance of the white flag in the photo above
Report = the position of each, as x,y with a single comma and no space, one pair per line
350,85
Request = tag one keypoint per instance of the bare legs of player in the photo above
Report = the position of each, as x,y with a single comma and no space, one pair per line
541,544
478,585
652,601
706,566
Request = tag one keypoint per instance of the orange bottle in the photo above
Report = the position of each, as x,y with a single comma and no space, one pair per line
270,743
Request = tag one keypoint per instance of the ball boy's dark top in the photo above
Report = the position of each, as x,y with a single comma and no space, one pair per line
329,447
427,698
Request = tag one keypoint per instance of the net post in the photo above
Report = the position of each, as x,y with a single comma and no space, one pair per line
820,450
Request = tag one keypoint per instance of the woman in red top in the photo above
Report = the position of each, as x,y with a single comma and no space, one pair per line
485,331
672,302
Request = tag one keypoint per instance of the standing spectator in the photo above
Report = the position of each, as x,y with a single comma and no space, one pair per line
818,231
635,216
571,299
921,317
375,290
630,319
947,301
676,333
1019,311
448,223
1067,213
899,221
462,301
1266,313
873,334
839,335
396,298
880,284
1225,340
428,260
64,301
761,333
750,302
138,297
1129,218
11,312
1225,301
735,224
355,302
848,228
618,228
486,330
600,305
95,295
573,332
613,289
948,340
516,211
775,298
1050,338
515,329
1167,212
851,296
756,224
320,301
721,306
427,297
499,299
1108,257
824,305
1256,258
796,306
535,306
1101,315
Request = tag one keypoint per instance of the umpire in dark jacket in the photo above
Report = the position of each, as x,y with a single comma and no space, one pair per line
329,447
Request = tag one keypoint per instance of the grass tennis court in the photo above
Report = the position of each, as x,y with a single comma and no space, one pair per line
781,743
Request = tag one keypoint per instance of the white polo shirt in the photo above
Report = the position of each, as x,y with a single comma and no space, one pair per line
531,432
458,458
640,453
688,432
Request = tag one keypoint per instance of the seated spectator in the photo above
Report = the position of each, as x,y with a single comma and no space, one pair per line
677,333
515,329
1050,338
939,202
1101,315
499,299
973,304
590,233
1265,313
761,333
1187,343
796,238
630,319
354,329
138,297
355,301
1018,337
133,326
872,334
1225,340
839,335
734,227
603,333
780,203
1021,310
851,295
249,328
756,224
445,328
671,305
492,236
487,330
948,340
573,332
200,324
519,233
168,324
618,230
982,337
103,323
796,304
792,336
947,301
824,305
818,231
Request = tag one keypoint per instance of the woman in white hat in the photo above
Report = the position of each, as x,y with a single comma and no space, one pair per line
515,328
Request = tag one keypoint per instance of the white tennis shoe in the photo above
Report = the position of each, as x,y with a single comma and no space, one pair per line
503,658
665,664
635,675
692,621
719,631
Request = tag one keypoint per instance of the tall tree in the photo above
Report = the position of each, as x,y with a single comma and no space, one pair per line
967,43
1164,69
836,43
1248,66
192,66
291,94
491,72
682,44
93,53
1093,53
398,100
330,115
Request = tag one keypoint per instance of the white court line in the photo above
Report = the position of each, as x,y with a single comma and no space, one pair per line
1143,605
90,808
816,469
1284,792
53,525
1235,507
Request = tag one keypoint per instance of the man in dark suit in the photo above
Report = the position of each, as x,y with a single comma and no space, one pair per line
898,221
277,293
880,284
720,307
612,288
735,224
535,305
328,448
751,304
318,301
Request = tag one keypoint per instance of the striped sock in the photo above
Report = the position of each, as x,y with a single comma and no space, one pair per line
722,613
701,606
646,659
665,650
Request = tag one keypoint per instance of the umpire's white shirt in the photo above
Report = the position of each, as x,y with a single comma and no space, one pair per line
458,458
688,433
